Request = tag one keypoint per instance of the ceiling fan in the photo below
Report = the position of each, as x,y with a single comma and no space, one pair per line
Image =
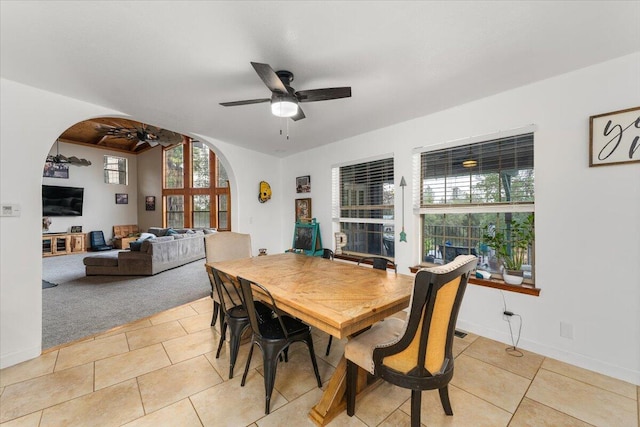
284,99
73,160
140,135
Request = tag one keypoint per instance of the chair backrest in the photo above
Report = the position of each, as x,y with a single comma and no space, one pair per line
379,263
327,253
227,245
228,293
96,238
425,349
247,294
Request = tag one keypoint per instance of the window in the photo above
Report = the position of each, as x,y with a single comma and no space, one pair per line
115,170
189,199
363,204
468,190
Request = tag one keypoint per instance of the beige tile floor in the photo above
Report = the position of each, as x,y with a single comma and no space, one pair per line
162,371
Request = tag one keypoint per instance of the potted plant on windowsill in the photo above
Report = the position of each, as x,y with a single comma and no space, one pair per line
511,246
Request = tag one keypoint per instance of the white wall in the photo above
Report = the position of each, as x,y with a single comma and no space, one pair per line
100,211
246,169
587,228
586,218
150,184
31,120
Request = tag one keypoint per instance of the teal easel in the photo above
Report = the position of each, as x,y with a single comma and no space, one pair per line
306,237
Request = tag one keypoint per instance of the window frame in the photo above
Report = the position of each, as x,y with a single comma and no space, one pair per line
188,190
502,207
108,171
338,208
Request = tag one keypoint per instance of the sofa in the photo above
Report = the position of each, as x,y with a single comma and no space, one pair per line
159,250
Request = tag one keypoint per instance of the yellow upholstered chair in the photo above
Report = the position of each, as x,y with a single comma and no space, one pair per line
415,353
225,246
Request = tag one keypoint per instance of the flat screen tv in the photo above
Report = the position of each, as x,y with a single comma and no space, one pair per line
62,201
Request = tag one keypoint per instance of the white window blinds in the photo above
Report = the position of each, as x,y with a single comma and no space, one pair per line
364,192
486,176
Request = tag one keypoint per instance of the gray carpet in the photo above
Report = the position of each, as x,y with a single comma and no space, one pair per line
81,306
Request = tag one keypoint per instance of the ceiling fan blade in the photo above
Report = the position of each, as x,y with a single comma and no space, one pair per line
247,102
323,94
167,137
73,160
269,77
298,116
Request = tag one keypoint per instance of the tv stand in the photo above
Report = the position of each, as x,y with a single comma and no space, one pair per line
63,243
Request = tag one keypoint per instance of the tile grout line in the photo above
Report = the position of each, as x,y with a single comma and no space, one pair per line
527,391
540,368
482,398
195,410
589,384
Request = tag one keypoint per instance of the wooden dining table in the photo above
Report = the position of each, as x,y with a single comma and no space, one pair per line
339,298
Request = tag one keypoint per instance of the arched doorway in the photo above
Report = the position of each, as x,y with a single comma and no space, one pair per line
128,158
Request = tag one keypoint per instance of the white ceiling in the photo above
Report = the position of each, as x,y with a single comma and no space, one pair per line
171,63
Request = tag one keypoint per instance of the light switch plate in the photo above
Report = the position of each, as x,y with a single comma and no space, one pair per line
10,209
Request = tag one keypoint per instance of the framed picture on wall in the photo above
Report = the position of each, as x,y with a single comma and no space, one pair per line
614,137
55,170
76,229
150,203
303,209
122,198
303,184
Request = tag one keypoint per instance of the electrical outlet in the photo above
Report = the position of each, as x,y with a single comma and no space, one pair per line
566,330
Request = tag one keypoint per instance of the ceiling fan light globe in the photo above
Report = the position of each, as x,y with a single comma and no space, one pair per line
284,107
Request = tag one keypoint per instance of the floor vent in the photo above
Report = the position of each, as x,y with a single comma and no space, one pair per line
460,334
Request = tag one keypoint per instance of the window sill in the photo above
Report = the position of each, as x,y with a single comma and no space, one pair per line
497,284
353,258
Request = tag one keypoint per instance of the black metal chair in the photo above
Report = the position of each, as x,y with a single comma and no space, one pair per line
224,246
379,263
415,353
233,313
274,338
97,242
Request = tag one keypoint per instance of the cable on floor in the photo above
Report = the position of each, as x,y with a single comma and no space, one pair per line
513,350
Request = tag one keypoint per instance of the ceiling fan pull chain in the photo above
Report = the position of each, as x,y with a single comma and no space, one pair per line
287,129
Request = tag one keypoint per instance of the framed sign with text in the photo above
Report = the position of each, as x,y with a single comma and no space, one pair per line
614,137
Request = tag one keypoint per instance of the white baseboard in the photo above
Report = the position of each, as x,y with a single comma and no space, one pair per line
11,359
571,358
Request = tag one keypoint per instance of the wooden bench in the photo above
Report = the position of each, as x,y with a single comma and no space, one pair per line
124,234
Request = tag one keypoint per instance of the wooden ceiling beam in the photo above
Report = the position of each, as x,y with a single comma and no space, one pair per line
101,147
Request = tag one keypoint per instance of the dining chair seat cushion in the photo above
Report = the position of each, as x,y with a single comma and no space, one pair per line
263,311
271,329
360,348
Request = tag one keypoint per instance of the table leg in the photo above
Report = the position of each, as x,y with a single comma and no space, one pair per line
334,398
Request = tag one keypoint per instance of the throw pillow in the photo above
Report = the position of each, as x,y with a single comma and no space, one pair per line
145,236
171,231
135,246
